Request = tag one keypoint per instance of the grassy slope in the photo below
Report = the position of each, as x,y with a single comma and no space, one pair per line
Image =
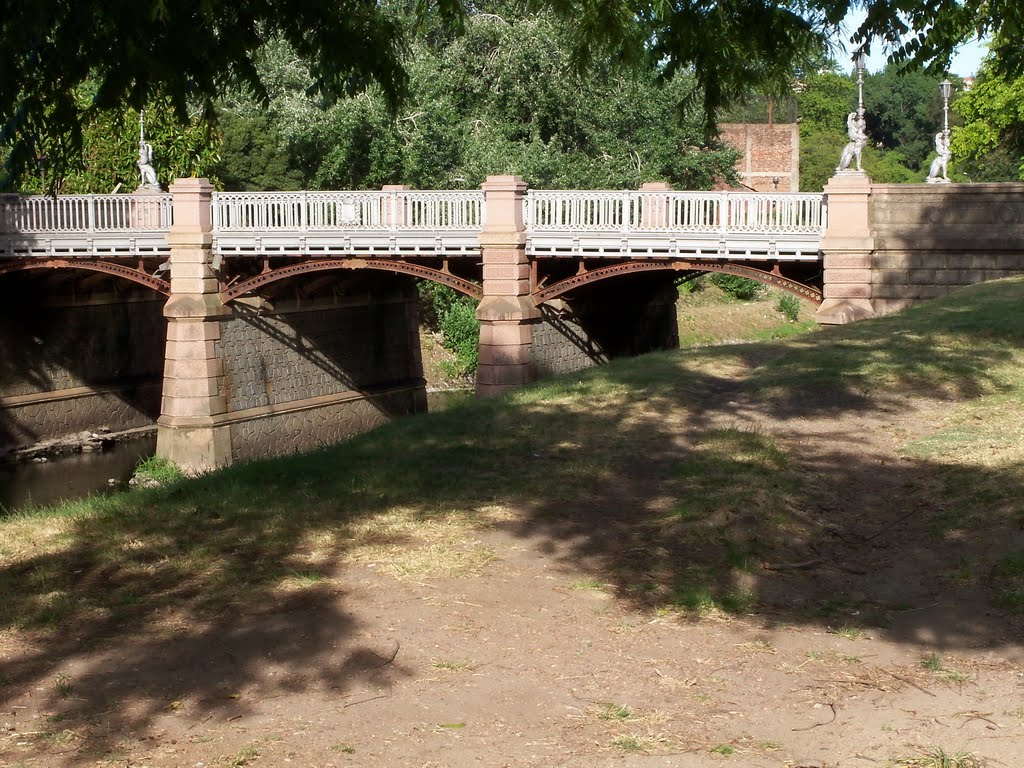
688,503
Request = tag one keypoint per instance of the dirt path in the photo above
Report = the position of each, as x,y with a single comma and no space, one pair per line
864,648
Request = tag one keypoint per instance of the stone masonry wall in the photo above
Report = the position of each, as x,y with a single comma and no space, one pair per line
767,152
561,344
279,358
66,367
303,376
931,238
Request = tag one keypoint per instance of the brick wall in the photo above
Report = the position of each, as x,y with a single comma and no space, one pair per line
767,153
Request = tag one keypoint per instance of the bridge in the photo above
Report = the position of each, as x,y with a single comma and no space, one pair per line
287,313
424,233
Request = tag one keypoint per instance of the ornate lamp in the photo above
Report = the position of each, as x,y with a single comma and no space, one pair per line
945,88
860,61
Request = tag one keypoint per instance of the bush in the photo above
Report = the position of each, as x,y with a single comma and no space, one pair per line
454,315
788,305
738,287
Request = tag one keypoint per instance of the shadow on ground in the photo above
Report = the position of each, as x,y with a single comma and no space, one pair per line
746,480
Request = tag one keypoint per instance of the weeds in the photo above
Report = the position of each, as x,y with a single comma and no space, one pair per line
939,758
611,711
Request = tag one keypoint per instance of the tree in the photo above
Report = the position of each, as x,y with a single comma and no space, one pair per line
500,98
192,51
990,144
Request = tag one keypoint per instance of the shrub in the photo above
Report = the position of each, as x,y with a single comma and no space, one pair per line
788,305
738,287
454,315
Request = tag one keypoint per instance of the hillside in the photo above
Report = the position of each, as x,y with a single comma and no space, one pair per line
800,552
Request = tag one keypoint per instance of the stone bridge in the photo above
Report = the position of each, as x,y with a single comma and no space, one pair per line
291,318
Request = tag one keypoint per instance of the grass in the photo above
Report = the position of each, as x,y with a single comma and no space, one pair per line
452,666
617,463
938,758
632,744
610,711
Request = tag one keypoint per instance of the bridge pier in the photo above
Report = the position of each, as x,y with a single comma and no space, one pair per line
507,313
190,430
847,247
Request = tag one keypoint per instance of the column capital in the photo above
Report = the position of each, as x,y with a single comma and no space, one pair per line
193,211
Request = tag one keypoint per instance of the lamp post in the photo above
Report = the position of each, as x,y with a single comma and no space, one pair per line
945,88
860,60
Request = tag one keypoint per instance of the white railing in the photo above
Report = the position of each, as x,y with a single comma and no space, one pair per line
357,223
84,214
321,211
85,225
678,224
684,211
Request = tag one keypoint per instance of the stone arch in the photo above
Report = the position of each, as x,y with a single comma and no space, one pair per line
442,276
686,268
132,274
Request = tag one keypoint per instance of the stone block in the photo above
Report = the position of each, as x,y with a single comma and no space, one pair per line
190,350
193,330
514,271
847,261
174,406
506,333
847,276
490,355
847,291
921,276
983,261
194,387
191,271
194,286
892,260
192,369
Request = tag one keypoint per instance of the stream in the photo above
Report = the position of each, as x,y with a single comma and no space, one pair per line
78,475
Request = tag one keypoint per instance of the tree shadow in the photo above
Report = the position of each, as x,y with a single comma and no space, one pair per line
742,480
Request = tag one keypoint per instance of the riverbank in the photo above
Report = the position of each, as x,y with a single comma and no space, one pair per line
806,552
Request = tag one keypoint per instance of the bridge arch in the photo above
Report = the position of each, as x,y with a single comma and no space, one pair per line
686,270
268,276
133,274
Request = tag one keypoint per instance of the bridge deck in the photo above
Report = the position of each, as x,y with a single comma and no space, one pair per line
397,223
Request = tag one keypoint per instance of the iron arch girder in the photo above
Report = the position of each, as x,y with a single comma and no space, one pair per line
322,265
117,270
603,273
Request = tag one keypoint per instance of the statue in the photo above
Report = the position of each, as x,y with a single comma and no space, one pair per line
145,163
857,131
940,163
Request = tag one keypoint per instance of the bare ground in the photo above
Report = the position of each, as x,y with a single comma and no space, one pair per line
540,653
873,642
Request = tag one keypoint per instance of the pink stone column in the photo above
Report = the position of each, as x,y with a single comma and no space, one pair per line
847,246
654,211
393,216
189,431
507,313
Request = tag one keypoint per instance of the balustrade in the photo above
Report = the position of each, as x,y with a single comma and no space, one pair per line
398,221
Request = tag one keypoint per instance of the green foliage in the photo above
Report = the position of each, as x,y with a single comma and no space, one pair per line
740,288
502,98
990,144
193,51
454,315
903,112
826,97
158,470
789,306
110,149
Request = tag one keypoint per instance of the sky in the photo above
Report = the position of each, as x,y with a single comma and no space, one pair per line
965,62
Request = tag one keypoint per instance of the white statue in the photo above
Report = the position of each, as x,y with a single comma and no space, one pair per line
146,167
857,131
940,163
145,163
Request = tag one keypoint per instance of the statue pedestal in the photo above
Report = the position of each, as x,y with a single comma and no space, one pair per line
847,247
